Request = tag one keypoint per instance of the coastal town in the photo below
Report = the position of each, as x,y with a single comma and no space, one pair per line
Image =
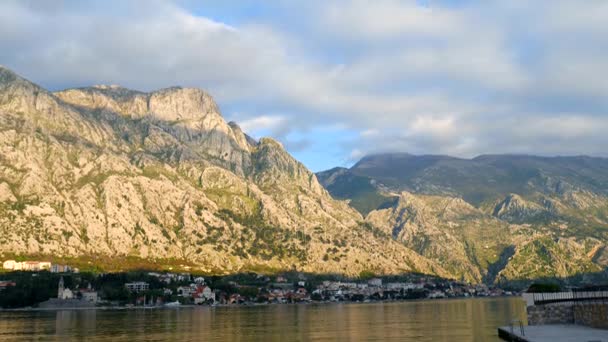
67,287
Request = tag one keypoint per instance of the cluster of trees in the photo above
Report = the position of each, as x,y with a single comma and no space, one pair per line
268,241
30,289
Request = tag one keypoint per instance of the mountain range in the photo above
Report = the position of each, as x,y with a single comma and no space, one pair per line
106,172
490,218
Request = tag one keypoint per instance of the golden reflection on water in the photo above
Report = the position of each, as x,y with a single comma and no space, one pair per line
440,320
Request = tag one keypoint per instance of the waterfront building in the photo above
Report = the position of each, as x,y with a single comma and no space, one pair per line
375,282
26,265
203,294
9,265
137,286
55,268
185,291
64,293
89,294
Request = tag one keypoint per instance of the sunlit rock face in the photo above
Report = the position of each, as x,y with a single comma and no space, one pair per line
108,171
490,218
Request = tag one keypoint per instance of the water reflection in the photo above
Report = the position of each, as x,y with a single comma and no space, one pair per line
444,320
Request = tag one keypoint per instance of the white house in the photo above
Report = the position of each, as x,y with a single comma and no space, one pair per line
413,286
9,265
26,265
375,282
185,291
203,294
89,296
395,286
437,294
207,293
55,268
137,286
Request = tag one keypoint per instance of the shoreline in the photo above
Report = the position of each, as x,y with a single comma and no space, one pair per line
194,306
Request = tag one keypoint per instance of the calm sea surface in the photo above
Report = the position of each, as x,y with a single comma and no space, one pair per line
436,320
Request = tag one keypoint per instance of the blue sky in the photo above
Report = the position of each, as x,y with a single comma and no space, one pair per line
335,80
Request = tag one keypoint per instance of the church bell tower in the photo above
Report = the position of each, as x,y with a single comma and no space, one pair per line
60,289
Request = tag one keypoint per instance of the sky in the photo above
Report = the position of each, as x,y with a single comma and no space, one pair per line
336,80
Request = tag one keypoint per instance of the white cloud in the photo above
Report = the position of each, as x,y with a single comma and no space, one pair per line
263,123
370,132
482,77
433,126
361,19
356,154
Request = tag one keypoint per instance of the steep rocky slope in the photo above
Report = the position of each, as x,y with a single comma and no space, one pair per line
459,236
107,171
491,218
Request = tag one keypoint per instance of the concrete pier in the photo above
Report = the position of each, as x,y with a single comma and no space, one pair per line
553,333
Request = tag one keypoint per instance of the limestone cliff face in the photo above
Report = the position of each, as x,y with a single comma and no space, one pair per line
515,209
178,116
460,237
274,167
107,171
478,246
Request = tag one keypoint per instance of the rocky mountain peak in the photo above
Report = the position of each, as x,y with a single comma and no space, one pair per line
239,133
183,104
271,143
274,166
6,75
514,208
10,80
185,119
175,104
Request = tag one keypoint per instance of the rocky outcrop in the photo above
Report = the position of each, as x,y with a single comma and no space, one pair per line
460,237
176,119
515,209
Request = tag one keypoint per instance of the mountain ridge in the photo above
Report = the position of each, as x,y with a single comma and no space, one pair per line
554,210
162,176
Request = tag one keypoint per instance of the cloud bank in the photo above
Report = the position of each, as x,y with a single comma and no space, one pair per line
345,78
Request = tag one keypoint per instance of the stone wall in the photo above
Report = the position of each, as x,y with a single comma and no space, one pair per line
594,315
55,303
550,314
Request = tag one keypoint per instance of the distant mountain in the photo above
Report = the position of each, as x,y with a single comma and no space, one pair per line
104,172
493,217
479,180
